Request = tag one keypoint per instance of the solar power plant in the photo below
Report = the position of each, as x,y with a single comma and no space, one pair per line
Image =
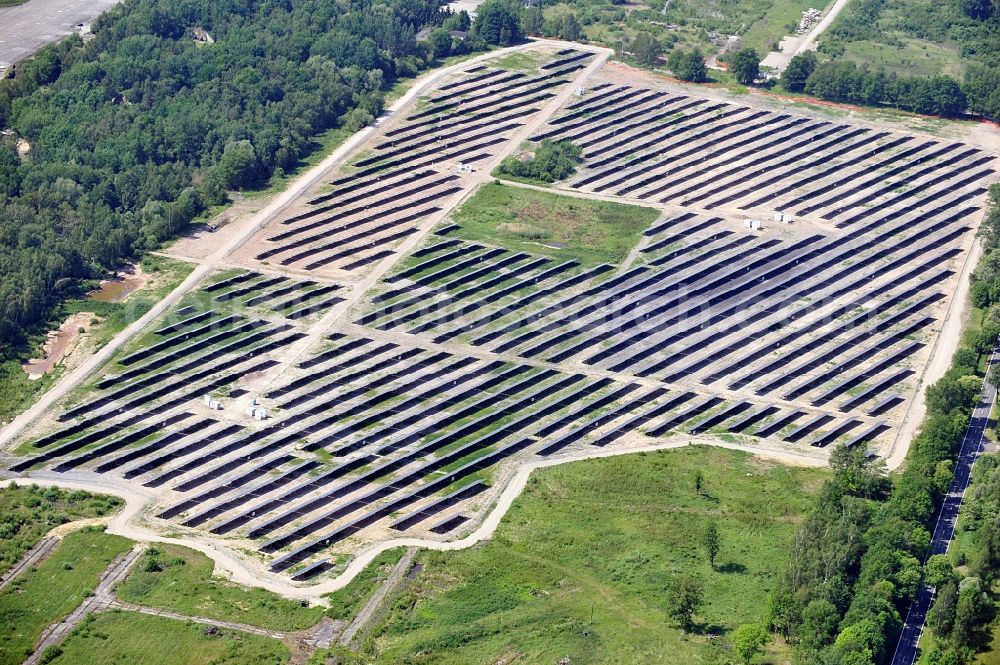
411,174
366,370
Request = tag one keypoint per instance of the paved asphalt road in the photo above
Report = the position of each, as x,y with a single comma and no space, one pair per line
944,530
25,28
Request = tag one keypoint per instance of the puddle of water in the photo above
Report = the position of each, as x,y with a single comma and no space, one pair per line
121,287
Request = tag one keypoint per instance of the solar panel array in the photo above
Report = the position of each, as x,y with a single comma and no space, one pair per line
471,357
383,197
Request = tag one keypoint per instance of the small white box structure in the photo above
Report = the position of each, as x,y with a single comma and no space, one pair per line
253,400
260,414
207,399
214,405
581,91
463,168
752,224
783,217
249,411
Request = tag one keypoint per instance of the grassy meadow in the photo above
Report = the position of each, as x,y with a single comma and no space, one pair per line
583,563
180,579
49,592
563,227
130,638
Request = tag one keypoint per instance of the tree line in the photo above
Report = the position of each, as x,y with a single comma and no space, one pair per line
857,561
962,608
972,25
136,132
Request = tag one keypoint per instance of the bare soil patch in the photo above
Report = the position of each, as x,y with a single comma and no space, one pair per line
59,344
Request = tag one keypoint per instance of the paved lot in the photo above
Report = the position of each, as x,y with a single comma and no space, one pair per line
26,28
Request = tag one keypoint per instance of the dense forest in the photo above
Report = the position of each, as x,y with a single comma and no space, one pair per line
135,132
858,559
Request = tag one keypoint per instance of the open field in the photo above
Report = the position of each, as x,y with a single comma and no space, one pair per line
577,570
138,639
909,37
525,220
179,579
377,361
908,57
43,595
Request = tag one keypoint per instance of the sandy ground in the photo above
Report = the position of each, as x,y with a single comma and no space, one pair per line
67,346
199,243
70,527
61,344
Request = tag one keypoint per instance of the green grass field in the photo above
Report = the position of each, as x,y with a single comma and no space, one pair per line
580,570
29,512
180,579
345,603
537,222
774,22
46,594
128,638
526,61
908,57
907,37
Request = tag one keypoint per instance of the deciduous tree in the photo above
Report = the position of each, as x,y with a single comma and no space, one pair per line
685,596
745,66
711,542
748,641
798,71
499,22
